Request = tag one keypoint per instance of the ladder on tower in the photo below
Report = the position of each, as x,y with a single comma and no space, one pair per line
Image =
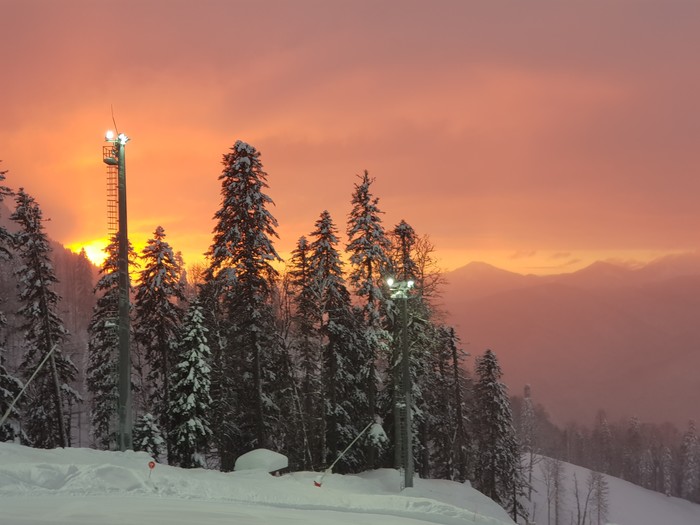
112,190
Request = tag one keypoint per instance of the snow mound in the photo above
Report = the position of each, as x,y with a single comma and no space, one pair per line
261,459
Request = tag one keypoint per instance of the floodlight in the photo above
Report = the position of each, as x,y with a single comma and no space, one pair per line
123,139
390,282
109,135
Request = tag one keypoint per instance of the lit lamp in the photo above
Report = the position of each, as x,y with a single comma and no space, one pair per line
400,290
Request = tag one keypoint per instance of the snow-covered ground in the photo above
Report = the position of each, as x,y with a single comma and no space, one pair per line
87,487
628,504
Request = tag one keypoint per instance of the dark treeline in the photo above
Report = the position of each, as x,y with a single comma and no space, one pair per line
235,354
659,457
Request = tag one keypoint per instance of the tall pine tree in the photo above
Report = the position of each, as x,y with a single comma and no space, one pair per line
158,311
242,278
343,390
690,466
10,386
6,238
190,402
306,320
50,392
497,469
446,414
368,247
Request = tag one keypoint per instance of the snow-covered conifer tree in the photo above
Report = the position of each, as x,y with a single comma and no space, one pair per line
497,469
632,451
667,471
368,248
48,395
306,346
446,408
343,393
148,436
690,466
527,435
602,444
10,386
190,402
5,236
242,277
103,348
158,316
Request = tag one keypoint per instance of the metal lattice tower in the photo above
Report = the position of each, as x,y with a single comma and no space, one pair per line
112,190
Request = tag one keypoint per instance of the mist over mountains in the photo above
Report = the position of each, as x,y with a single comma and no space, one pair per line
626,340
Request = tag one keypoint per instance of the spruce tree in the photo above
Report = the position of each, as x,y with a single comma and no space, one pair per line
148,436
527,436
10,386
6,238
190,402
498,458
667,471
103,349
243,278
446,400
690,466
306,320
368,248
50,392
602,444
158,313
632,452
343,390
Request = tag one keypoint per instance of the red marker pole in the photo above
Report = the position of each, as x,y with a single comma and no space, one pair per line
151,466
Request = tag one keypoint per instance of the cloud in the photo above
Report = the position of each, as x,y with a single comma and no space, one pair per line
487,126
523,254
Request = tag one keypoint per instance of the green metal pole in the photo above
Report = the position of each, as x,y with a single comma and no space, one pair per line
408,431
124,404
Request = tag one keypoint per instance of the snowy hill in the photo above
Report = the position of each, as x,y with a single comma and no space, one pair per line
84,487
628,504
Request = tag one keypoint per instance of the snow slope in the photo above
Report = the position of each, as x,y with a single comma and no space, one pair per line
84,487
629,504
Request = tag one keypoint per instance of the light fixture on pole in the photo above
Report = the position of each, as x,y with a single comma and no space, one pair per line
113,156
400,290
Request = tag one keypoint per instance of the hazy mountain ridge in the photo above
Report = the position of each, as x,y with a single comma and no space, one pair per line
628,337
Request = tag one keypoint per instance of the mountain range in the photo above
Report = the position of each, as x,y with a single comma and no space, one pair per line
612,337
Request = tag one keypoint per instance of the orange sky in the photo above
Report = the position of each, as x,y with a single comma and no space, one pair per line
535,136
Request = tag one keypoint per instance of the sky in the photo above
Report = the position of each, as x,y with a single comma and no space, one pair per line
535,136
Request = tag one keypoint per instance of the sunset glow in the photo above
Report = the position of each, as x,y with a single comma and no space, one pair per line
93,249
538,140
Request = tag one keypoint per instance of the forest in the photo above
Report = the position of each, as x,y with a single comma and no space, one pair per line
248,351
